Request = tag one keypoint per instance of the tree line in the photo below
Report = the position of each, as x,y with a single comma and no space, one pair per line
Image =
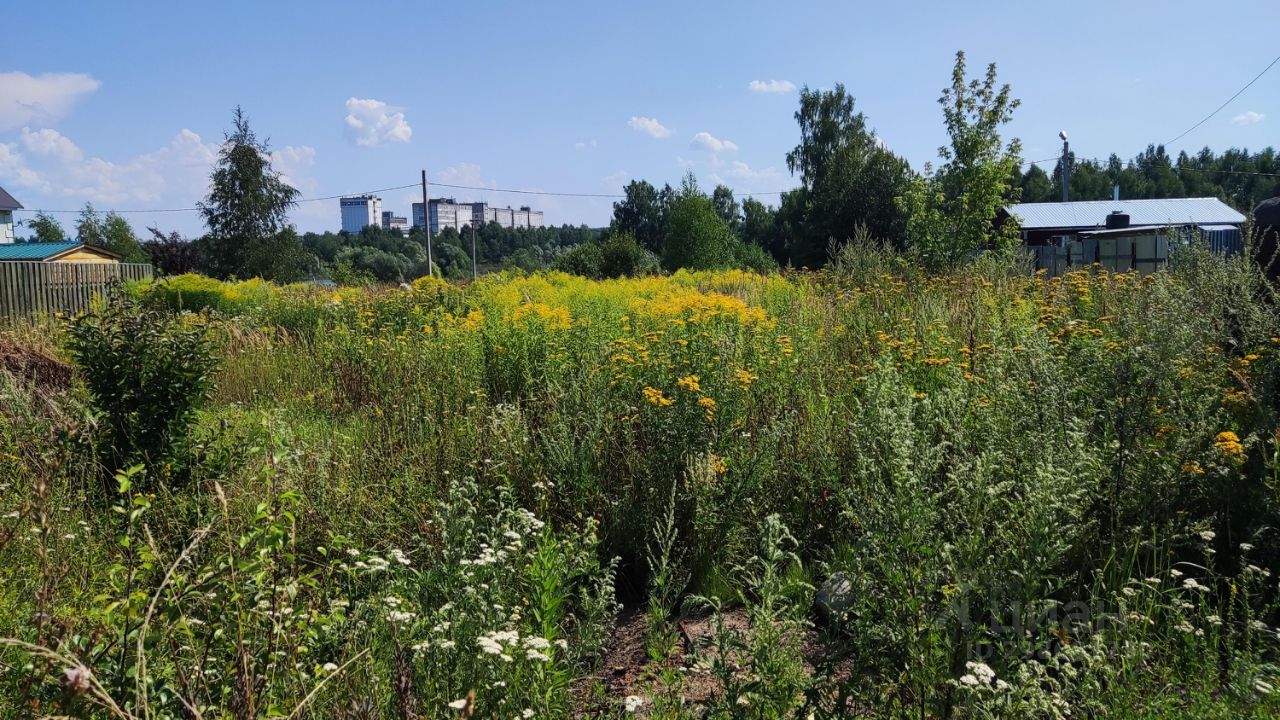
851,184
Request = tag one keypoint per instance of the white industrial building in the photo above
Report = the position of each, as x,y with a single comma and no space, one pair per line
447,212
360,211
391,221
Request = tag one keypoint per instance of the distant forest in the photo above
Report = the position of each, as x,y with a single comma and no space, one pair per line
1237,177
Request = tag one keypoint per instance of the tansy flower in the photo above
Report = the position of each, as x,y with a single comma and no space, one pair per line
709,405
690,383
656,397
1228,443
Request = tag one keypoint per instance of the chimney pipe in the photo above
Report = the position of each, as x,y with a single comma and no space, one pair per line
1115,193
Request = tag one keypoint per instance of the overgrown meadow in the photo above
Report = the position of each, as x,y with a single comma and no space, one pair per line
863,492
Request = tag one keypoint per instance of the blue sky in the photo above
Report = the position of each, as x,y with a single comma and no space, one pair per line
123,104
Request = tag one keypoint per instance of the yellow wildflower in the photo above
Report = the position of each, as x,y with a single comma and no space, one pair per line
690,383
656,397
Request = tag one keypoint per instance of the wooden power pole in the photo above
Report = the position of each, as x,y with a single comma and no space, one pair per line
426,223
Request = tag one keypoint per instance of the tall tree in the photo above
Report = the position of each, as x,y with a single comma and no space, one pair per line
727,207
848,178
697,237
247,210
111,233
643,213
952,212
45,228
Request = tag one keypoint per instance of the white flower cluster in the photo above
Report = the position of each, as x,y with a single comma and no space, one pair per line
981,674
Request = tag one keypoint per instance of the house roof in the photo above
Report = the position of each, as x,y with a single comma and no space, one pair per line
46,250
7,202
1093,213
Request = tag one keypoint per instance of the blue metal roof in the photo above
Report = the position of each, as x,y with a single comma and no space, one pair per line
1093,213
35,250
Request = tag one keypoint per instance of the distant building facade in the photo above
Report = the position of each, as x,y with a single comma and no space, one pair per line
391,221
360,211
449,213
7,206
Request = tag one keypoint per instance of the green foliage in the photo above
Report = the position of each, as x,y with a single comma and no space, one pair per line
697,237
1042,498
147,372
643,213
343,272
247,212
848,178
45,228
951,213
111,233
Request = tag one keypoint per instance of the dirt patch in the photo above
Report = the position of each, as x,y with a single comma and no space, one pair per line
626,669
33,366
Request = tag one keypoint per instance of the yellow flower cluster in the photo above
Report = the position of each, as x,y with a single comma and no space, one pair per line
1228,443
657,397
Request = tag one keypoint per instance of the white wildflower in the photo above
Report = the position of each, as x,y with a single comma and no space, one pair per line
329,667
969,680
458,704
633,703
1175,574
1245,547
1208,535
535,655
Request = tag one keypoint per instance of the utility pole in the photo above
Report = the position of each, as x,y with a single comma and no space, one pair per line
426,223
475,272
1066,167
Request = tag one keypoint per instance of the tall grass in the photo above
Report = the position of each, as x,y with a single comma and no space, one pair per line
1040,497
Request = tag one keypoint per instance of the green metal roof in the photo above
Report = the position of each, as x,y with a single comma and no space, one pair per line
35,250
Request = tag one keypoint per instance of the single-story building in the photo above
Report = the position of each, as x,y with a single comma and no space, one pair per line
70,251
7,206
1121,235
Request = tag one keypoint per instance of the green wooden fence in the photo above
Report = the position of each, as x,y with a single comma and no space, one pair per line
51,287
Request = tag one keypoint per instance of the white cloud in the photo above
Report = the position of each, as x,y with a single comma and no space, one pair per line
1247,118
294,165
51,144
584,145
649,126
40,99
463,174
372,122
707,141
771,86
616,180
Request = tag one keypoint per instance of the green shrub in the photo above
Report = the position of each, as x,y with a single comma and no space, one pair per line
147,370
622,256
584,260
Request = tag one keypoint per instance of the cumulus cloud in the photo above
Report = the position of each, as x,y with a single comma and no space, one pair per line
51,164
616,180
584,145
774,87
1248,118
649,126
372,122
40,100
294,165
710,143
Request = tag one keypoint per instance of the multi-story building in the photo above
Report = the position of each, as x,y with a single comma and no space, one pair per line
360,211
7,206
391,221
447,212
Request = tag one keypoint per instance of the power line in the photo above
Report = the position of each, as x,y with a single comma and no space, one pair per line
193,209
1228,102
